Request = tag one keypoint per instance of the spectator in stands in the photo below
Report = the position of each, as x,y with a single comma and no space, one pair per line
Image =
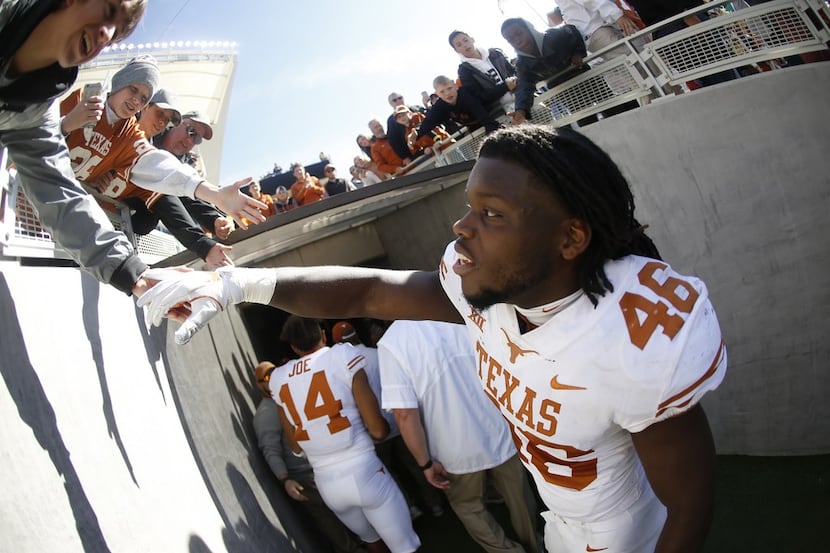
116,147
395,134
392,450
601,23
487,73
41,46
383,155
306,188
356,180
294,473
458,105
553,56
411,122
429,381
180,140
365,144
159,114
369,172
335,185
255,190
283,200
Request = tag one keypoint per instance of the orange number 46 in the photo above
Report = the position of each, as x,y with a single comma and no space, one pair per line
656,314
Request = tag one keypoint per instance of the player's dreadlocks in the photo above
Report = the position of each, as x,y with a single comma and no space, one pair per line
590,187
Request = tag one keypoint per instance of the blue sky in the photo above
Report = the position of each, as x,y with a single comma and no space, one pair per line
310,74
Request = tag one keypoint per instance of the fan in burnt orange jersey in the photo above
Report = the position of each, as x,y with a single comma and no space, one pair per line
116,144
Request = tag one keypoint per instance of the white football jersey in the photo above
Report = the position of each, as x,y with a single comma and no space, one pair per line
574,388
315,393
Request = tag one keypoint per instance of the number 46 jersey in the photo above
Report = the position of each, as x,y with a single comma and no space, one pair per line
574,388
315,392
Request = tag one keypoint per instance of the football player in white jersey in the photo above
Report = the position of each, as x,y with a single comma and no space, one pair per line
328,408
596,352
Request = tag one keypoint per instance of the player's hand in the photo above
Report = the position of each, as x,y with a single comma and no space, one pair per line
218,257
437,475
191,298
194,298
233,202
87,111
294,490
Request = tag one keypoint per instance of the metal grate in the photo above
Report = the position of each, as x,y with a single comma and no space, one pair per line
737,37
26,223
591,92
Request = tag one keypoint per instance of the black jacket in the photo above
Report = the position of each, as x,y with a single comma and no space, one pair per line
559,46
37,86
481,84
467,111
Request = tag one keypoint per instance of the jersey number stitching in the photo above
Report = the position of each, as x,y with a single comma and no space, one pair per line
656,313
582,472
319,402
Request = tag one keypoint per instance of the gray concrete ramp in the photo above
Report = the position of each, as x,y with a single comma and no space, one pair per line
98,452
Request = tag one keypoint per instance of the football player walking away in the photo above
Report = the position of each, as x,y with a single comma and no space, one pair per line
330,414
596,352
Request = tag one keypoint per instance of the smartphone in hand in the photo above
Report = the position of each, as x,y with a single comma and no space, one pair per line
91,90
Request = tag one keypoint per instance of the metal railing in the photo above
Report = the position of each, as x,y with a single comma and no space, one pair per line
734,35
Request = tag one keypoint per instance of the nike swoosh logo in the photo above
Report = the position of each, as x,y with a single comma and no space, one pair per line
589,548
556,385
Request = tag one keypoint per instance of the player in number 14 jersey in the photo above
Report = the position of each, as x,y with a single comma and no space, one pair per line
327,406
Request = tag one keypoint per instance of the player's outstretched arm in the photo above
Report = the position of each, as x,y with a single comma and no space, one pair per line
678,455
193,298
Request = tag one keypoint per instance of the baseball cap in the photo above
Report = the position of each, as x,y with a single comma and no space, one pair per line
342,331
196,117
401,109
166,100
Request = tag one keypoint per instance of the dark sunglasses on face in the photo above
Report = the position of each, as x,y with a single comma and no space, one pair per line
194,135
397,99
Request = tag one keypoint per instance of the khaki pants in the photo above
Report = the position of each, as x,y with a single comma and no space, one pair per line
466,497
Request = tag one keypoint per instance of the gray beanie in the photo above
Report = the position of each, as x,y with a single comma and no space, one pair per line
141,69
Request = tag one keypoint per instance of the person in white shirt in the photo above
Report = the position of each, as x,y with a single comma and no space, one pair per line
428,371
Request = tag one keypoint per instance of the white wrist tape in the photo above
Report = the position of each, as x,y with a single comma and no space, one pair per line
255,285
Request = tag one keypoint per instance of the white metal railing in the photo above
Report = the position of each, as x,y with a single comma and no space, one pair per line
734,35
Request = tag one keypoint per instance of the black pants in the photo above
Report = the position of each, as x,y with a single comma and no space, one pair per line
170,211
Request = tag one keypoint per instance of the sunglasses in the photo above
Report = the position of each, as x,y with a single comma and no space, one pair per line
330,170
194,135
397,99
